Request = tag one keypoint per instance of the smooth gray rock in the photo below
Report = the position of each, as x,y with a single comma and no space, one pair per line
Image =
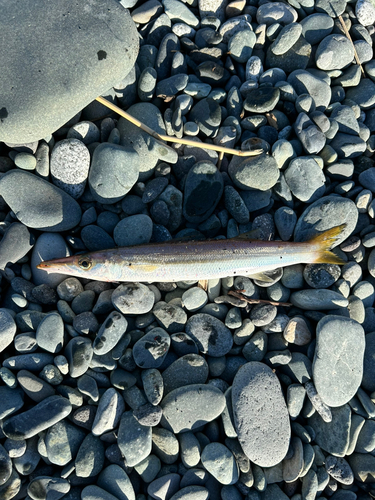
190,406
133,298
110,333
50,333
36,388
149,149
189,369
202,192
114,171
326,213
260,414
110,408
93,492
37,203
90,457
368,382
220,463
134,439
8,329
257,172
62,442
11,400
99,40
15,244
46,413
322,299
338,359
116,481
333,436
304,82
210,334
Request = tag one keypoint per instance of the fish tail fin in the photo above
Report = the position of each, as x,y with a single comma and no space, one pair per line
323,243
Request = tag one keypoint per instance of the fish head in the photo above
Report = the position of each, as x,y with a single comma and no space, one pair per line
81,266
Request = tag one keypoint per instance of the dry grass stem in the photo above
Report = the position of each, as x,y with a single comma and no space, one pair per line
166,138
258,301
350,38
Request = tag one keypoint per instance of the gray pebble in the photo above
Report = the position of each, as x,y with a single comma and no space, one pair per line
220,462
268,445
133,298
150,350
134,439
188,407
210,334
39,417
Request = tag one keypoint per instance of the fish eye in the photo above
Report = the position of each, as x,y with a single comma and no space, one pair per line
85,263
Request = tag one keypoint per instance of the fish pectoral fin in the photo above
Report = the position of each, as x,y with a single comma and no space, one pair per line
254,234
260,277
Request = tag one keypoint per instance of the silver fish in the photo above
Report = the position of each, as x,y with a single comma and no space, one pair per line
196,260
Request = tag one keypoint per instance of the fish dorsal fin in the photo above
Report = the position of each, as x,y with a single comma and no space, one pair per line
260,277
254,234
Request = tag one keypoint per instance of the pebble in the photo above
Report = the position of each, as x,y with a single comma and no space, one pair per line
40,417
50,333
205,182
37,203
90,457
151,349
134,439
191,367
69,166
27,122
258,172
262,431
333,436
187,408
62,442
11,253
133,298
210,334
114,171
220,462
322,299
297,331
110,408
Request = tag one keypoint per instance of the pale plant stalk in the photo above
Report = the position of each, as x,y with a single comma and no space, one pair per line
166,138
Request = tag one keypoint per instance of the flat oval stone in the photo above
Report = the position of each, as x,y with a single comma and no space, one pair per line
11,400
324,214
321,299
91,48
338,359
220,463
116,481
203,189
189,407
134,439
256,172
113,172
333,436
38,203
50,333
261,417
62,442
210,334
27,424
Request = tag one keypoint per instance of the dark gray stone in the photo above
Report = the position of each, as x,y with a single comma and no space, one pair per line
189,369
62,442
90,457
134,439
333,436
203,190
40,417
15,244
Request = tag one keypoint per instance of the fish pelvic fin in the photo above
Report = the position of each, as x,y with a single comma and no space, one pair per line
323,242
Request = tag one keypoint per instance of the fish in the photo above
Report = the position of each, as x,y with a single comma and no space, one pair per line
197,260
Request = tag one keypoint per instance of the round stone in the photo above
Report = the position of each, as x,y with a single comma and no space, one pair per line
321,275
277,12
50,333
189,407
38,203
207,115
210,334
220,463
297,332
133,298
150,350
261,417
114,171
262,100
69,166
257,172
337,371
190,368
133,230
202,192
334,52
326,213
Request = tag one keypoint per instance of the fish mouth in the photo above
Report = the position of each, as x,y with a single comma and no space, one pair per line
53,265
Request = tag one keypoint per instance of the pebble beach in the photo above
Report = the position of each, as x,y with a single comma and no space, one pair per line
235,389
